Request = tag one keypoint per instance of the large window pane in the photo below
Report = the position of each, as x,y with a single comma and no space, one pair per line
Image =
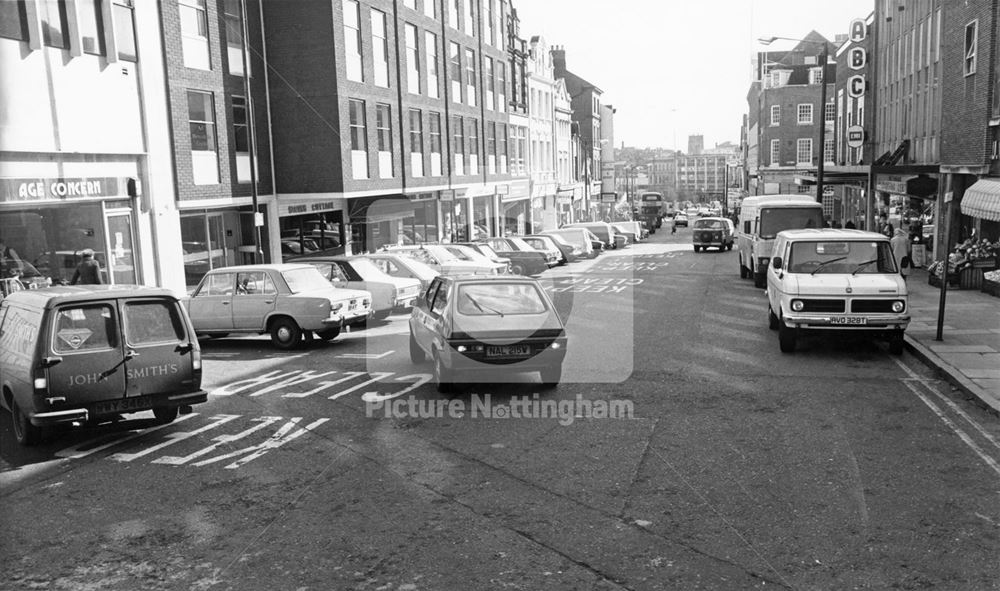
13,20
125,32
53,16
91,26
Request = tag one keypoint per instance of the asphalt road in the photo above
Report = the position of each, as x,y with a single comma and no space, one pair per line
726,465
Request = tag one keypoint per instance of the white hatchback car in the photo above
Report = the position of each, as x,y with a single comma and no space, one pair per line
836,280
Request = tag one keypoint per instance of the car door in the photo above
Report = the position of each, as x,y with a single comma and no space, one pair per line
211,306
87,352
164,359
254,299
421,320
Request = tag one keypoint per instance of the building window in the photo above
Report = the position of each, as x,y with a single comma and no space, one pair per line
234,35
816,76
470,77
13,20
411,4
241,139
775,152
805,114
431,48
201,123
805,188
124,19
194,34
502,148
491,147
383,137
456,72
430,8
352,41
416,144
412,60
775,115
91,21
359,139
52,13
490,83
453,13
830,112
473,146
501,87
458,143
828,149
380,49
804,151
971,41
490,22
435,137
468,6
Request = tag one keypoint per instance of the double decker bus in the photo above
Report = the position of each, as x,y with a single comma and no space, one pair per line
651,209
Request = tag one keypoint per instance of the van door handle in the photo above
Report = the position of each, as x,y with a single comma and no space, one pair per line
50,361
268,301
131,354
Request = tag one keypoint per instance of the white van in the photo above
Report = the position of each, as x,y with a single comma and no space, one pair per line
761,218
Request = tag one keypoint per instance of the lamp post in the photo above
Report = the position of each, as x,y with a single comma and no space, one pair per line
823,58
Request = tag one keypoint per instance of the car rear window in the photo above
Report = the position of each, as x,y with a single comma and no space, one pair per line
150,322
710,224
84,328
499,299
305,279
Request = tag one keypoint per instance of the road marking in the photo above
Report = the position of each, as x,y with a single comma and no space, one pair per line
175,437
81,449
421,379
255,451
350,375
305,376
220,440
365,355
378,376
229,389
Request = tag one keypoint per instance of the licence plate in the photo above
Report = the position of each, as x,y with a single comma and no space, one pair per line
133,404
507,350
849,320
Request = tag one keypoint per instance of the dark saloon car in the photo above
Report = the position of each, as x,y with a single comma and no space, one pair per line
524,260
486,328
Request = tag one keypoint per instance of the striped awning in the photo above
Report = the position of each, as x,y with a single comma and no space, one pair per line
982,200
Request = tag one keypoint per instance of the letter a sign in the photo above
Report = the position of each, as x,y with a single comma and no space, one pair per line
858,30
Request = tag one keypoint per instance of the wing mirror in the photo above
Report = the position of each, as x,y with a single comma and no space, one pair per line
776,262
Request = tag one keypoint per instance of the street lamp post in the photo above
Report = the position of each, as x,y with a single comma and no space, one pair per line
823,58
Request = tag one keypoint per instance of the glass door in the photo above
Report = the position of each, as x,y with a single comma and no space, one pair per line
122,256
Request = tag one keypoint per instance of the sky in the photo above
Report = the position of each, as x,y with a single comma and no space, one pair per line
673,68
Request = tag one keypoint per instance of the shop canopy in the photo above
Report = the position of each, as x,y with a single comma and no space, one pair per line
982,200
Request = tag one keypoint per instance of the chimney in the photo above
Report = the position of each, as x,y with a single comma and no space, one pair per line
559,60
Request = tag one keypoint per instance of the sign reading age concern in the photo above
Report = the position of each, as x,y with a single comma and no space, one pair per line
64,188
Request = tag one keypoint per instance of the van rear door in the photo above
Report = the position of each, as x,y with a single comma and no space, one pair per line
155,330
85,353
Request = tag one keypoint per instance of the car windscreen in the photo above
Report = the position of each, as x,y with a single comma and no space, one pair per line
499,299
488,251
776,219
520,243
441,253
857,257
710,224
367,270
305,279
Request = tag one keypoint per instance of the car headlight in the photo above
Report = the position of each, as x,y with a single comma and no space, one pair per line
336,307
797,305
898,306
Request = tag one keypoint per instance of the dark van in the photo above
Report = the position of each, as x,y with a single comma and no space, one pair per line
70,355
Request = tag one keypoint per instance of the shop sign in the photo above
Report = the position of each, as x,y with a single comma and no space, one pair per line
446,195
306,207
896,187
855,136
14,190
516,192
421,196
609,197
564,199
543,189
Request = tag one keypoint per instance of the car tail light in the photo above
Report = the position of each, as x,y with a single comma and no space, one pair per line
39,381
336,307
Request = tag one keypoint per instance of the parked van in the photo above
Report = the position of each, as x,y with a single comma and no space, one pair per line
81,354
602,230
761,218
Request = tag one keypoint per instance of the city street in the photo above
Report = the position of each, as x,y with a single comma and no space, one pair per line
339,466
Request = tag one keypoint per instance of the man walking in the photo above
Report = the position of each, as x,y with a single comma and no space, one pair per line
88,272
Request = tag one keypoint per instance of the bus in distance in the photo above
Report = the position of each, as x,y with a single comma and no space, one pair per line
651,209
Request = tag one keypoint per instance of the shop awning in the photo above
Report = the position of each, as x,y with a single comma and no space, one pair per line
382,210
982,200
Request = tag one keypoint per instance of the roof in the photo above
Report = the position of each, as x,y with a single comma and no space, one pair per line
51,296
831,233
260,267
786,200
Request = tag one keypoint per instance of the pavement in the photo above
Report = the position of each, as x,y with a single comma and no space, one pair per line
968,355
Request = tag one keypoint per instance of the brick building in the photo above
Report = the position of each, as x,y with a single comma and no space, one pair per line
585,101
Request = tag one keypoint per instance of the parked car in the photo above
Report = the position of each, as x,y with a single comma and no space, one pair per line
487,327
551,245
396,265
716,232
485,250
826,280
285,300
580,239
27,274
389,294
681,219
636,227
441,260
630,233
524,260
467,253
87,353
602,230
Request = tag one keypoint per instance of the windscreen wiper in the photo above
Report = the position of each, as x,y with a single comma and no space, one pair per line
863,265
821,265
483,308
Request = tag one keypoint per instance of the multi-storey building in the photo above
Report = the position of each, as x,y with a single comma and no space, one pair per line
585,101
84,157
569,195
516,202
541,133
701,177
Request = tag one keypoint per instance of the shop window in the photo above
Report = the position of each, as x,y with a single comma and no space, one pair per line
13,20
233,10
352,41
383,134
44,246
194,34
435,137
124,19
52,13
91,22
359,139
204,155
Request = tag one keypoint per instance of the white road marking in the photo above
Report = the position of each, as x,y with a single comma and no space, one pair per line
230,389
275,441
220,440
305,376
378,376
173,438
350,375
77,451
421,379
365,355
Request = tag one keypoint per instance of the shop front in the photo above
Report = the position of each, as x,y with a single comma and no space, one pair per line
213,238
393,220
515,201
46,223
311,227
544,214
484,218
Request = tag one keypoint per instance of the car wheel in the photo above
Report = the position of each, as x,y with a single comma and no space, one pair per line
551,376
443,377
285,334
24,432
165,414
896,343
729,246
758,279
786,338
697,249
517,269
328,335
772,319
416,353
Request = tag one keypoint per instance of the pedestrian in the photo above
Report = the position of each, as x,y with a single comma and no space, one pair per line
88,272
849,225
884,227
900,244
836,224
10,261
